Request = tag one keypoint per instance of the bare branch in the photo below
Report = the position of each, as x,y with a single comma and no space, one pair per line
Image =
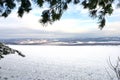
115,68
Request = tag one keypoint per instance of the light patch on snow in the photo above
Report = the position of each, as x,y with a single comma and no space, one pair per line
59,63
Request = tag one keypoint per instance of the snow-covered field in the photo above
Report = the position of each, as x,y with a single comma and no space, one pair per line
59,63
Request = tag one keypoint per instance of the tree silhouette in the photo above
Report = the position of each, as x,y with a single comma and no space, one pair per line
5,50
97,8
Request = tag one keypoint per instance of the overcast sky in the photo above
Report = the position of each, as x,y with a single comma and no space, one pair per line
75,22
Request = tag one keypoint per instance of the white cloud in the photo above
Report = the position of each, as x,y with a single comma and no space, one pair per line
70,25
113,27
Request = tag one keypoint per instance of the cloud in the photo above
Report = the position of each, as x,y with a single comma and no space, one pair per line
30,33
78,23
70,26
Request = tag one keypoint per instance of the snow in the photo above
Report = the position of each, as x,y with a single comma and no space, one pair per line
59,63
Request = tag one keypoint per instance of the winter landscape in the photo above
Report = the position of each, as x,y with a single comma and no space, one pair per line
59,39
60,63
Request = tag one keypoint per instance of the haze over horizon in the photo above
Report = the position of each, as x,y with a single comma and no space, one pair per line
74,23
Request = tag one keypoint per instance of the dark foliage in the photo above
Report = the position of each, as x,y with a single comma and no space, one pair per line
97,8
5,50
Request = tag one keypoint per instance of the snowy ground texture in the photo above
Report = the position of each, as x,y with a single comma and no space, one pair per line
59,63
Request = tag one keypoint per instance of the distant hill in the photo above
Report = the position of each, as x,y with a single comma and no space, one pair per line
64,41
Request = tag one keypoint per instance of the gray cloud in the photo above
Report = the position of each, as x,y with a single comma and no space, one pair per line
29,33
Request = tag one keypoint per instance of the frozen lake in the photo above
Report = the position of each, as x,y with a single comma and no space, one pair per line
59,63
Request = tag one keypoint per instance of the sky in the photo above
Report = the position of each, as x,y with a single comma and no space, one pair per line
75,23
